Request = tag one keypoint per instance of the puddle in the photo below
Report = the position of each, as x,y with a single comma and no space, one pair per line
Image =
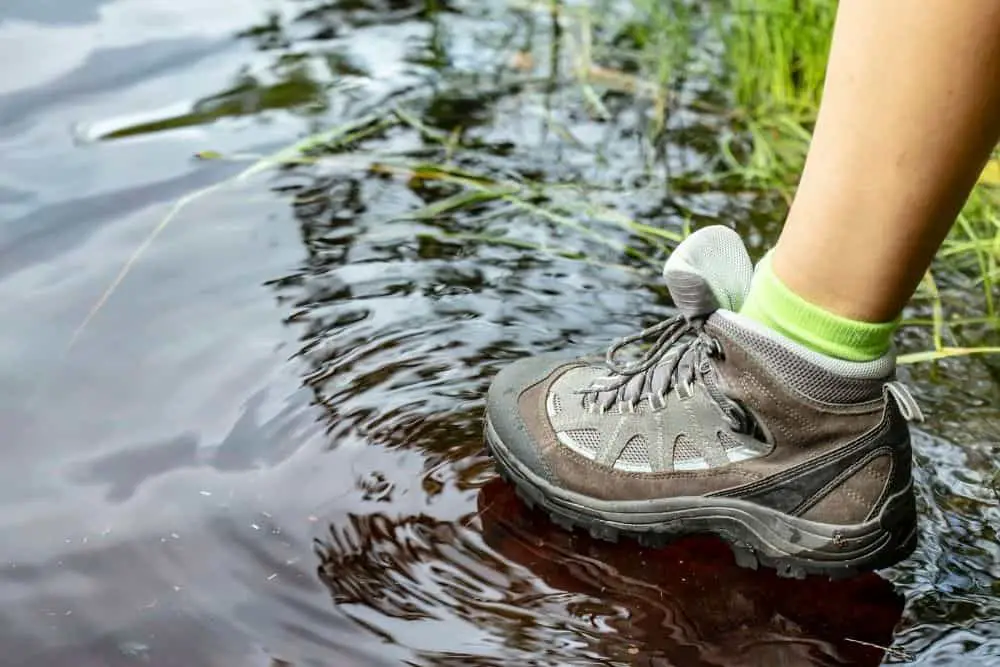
265,447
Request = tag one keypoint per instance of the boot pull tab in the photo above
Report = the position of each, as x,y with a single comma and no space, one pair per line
904,399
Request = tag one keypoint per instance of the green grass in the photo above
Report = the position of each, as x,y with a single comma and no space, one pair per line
775,54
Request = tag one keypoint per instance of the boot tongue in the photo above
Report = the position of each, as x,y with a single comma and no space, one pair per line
709,270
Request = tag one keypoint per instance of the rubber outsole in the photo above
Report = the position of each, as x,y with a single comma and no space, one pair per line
757,536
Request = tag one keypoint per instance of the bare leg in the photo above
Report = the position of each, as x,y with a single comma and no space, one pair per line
910,113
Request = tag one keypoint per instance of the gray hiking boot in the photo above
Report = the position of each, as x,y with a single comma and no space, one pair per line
800,461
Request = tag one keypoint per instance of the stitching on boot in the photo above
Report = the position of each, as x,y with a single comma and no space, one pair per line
890,483
788,411
841,479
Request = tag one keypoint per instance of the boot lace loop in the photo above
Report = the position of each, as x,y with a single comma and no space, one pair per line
678,358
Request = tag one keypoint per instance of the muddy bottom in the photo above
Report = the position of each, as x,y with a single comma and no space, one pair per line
265,448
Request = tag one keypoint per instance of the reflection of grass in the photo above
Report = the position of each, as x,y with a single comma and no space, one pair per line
248,97
553,203
294,154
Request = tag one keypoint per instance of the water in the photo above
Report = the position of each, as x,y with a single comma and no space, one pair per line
265,448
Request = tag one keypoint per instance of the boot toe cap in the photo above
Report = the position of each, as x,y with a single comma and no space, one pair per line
508,416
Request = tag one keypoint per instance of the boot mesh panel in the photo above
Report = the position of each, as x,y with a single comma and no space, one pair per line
636,454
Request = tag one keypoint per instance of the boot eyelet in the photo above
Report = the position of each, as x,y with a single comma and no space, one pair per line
685,390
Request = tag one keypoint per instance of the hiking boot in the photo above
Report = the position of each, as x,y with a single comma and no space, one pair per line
800,461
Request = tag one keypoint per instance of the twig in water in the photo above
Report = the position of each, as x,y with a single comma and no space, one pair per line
891,651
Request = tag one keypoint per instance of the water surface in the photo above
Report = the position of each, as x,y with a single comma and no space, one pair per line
265,446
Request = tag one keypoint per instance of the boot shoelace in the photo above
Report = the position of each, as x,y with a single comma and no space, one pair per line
678,358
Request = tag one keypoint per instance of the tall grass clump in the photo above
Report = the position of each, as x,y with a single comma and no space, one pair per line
775,52
774,56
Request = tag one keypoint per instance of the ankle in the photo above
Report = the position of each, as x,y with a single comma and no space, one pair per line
773,304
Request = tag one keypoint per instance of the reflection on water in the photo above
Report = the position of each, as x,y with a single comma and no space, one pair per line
266,448
544,595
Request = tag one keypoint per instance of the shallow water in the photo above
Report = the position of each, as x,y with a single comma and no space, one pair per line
265,446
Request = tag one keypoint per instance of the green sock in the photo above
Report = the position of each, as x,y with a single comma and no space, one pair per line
774,305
